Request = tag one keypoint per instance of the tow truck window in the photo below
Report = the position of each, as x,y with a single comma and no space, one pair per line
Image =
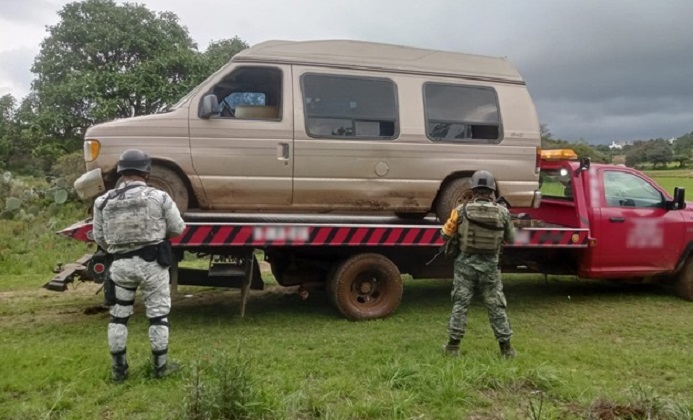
622,189
556,184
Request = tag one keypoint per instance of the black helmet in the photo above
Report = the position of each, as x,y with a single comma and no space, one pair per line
134,160
483,179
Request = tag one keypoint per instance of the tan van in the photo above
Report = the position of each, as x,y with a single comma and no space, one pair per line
323,126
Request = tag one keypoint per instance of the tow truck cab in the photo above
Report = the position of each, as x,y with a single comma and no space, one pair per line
637,229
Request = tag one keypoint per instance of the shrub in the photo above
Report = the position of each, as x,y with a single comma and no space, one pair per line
222,386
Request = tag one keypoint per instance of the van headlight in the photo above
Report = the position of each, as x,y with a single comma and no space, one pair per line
91,150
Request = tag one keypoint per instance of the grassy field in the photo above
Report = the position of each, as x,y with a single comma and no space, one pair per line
586,350
672,178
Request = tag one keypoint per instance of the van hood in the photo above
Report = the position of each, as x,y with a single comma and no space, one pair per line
173,123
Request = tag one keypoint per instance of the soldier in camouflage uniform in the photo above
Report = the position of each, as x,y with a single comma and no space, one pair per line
480,226
132,223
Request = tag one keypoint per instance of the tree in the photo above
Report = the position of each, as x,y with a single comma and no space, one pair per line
105,61
220,52
581,148
659,154
683,146
7,129
682,159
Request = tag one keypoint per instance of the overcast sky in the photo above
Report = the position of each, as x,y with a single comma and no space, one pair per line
597,70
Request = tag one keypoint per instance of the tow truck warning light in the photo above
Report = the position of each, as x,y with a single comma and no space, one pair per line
559,154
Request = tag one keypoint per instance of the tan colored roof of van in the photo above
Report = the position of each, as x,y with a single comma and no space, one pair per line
371,55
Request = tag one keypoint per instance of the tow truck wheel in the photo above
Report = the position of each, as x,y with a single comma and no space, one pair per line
365,286
167,180
684,282
454,193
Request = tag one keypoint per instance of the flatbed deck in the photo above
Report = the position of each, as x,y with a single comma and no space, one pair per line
280,230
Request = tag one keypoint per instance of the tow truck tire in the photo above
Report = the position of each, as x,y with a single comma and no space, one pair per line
167,180
684,282
454,193
365,286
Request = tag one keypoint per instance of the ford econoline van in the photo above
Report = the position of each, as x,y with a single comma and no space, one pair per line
332,126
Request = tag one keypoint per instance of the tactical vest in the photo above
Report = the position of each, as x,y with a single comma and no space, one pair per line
482,229
129,220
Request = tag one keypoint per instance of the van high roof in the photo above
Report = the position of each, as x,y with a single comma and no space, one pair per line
376,56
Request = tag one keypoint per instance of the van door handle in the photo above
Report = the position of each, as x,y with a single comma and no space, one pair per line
617,219
283,151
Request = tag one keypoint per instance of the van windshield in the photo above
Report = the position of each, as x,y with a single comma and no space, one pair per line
192,93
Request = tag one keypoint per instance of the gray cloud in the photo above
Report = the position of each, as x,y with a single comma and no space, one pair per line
612,71
15,68
26,10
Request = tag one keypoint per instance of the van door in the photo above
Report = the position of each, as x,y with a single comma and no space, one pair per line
243,155
345,154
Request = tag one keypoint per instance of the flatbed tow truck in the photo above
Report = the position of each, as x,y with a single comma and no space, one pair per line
595,221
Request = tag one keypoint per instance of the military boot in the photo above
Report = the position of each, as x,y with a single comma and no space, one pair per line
119,372
507,351
162,366
452,349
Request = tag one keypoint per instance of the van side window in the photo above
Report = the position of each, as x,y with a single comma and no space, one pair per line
250,93
457,113
349,107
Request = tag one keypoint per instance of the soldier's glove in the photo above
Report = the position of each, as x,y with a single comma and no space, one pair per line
450,227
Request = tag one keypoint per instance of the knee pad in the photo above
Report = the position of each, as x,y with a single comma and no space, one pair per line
159,320
120,320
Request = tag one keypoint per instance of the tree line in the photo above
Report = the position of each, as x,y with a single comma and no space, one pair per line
657,153
101,61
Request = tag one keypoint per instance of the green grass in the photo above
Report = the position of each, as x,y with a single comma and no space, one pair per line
585,349
579,342
672,178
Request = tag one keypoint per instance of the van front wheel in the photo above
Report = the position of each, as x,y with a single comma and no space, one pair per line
454,193
167,180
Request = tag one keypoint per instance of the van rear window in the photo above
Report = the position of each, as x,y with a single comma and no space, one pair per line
457,113
349,107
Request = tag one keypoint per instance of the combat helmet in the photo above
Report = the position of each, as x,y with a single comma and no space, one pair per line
483,179
134,160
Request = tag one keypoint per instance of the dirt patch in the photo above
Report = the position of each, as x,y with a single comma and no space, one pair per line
93,310
606,410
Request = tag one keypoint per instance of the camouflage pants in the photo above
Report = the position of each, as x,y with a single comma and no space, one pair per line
153,280
489,284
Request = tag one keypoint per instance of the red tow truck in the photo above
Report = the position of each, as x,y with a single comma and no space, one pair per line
595,221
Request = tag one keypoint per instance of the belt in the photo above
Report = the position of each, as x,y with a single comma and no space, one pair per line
147,251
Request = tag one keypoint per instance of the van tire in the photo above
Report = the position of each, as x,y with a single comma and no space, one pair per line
684,282
454,193
167,180
365,286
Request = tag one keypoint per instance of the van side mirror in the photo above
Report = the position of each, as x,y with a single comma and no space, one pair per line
679,201
208,106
